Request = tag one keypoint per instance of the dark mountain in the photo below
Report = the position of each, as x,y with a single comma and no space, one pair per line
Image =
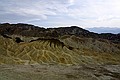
35,31
31,30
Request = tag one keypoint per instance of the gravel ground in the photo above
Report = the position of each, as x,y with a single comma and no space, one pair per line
59,72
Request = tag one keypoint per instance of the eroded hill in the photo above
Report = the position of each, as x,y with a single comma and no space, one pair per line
65,50
29,44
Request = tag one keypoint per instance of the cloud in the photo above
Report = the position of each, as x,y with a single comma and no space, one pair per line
71,2
33,8
97,9
88,13
97,13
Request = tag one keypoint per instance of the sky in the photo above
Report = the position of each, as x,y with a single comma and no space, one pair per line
52,13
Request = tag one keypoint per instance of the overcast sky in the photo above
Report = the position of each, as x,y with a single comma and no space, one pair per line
50,13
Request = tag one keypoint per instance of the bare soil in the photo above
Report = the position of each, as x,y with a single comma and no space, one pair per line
59,72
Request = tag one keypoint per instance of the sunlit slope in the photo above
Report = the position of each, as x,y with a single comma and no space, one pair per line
67,50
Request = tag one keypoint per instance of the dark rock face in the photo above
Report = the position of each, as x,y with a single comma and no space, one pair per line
35,31
18,40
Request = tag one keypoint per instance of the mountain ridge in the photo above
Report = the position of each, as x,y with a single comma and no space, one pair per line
35,31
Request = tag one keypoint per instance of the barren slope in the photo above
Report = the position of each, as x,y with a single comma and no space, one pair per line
66,50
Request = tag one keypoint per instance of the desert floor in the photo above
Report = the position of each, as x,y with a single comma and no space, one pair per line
59,72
